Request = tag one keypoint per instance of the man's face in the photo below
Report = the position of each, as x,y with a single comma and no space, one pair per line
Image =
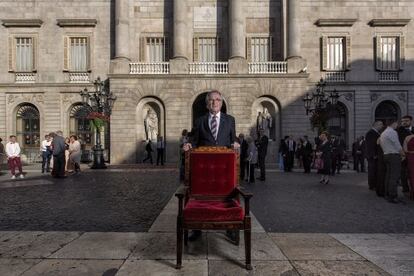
405,122
214,103
13,139
394,125
380,126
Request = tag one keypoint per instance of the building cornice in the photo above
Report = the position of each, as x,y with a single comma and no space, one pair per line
79,22
201,76
389,22
20,23
336,22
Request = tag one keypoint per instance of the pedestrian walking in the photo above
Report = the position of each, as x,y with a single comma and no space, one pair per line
75,153
324,152
148,150
46,152
13,157
262,143
160,150
58,151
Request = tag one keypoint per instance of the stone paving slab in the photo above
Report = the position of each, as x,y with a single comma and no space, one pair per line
263,248
313,247
75,268
99,246
329,268
163,268
162,246
229,268
35,244
15,267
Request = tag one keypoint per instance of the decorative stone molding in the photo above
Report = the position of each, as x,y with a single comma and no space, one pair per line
348,96
375,96
25,97
402,96
336,22
70,98
77,22
389,22
20,23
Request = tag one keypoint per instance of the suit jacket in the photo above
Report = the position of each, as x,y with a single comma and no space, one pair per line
403,133
58,145
371,143
262,145
307,149
286,147
202,134
244,150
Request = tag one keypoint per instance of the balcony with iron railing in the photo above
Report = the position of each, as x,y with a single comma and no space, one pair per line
388,76
79,77
155,68
213,68
270,67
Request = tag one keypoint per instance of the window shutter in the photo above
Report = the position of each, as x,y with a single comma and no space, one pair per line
249,49
378,65
401,44
142,45
34,50
324,52
195,49
66,42
167,49
347,48
12,54
88,54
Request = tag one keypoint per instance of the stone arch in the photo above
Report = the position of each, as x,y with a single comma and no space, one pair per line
199,107
272,107
148,106
338,122
386,110
400,104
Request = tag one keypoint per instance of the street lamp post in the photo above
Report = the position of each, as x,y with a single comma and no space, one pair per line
100,101
318,102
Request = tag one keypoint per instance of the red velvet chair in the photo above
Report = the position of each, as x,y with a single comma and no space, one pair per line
210,197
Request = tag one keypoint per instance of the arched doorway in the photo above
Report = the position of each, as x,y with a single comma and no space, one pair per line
338,121
386,111
80,126
200,106
28,130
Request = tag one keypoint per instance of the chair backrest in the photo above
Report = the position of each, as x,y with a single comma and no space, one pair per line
213,171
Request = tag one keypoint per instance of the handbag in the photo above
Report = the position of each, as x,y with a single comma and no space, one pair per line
319,163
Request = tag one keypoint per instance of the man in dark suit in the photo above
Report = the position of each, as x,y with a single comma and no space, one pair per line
243,155
213,129
338,148
371,151
307,154
360,154
403,131
289,153
58,151
262,143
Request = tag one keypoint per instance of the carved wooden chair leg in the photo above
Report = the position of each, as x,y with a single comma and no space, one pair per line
248,248
185,237
179,244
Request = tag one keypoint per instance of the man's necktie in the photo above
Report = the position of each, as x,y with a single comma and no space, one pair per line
214,127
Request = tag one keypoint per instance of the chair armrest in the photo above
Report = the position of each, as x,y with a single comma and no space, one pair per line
245,194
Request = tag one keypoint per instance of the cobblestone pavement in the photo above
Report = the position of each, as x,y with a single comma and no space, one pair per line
104,200
298,203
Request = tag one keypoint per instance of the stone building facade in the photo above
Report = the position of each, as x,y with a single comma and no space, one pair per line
161,57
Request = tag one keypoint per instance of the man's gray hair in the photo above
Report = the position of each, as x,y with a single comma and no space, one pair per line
59,132
212,92
377,124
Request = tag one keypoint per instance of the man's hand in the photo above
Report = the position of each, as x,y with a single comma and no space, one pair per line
187,146
235,146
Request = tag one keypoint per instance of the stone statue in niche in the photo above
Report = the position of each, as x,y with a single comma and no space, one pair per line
264,121
151,124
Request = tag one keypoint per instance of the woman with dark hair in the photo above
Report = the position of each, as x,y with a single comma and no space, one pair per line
75,152
324,153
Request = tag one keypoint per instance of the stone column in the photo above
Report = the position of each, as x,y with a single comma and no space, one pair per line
237,61
121,62
179,63
296,64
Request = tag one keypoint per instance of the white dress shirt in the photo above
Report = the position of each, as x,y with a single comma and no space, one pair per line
389,141
12,149
45,144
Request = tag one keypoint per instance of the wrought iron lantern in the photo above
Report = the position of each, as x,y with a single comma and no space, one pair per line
320,99
100,101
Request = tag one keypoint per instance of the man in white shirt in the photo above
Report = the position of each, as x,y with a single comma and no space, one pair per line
393,153
46,151
13,157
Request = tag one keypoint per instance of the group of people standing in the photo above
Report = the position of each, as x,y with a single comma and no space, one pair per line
60,156
390,155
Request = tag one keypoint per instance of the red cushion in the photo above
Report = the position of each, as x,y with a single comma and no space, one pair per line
213,210
213,173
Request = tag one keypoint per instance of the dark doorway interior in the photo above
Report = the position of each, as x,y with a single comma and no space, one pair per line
386,111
